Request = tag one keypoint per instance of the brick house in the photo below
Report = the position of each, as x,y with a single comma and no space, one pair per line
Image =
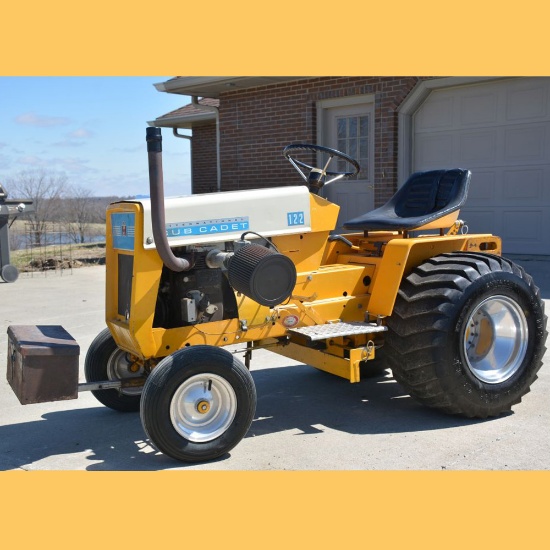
497,128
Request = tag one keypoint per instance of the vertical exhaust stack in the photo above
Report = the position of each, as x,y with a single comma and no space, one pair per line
156,191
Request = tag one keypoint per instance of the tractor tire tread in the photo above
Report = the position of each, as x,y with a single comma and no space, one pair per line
425,312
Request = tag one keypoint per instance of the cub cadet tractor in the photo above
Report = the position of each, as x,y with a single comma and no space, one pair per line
462,329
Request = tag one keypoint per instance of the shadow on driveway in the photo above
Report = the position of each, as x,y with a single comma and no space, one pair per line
289,398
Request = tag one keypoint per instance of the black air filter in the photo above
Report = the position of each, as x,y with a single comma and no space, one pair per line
262,274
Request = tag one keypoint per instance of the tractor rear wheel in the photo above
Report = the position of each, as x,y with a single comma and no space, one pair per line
106,361
198,403
467,334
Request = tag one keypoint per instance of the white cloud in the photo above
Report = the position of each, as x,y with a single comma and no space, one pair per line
73,165
137,149
32,160
5,162
68,143
76,138
32,119
81,133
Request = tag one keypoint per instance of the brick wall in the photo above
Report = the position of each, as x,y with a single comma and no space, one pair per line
257,123
204,172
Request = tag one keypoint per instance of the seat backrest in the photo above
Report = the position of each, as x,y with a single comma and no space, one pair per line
427,200
428,192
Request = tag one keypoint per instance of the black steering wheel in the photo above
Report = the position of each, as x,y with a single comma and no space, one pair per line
316,177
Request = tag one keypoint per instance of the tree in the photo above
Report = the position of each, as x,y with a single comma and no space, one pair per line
79,212
45,189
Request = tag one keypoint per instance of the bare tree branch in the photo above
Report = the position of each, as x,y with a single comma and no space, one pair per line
45,189
78,213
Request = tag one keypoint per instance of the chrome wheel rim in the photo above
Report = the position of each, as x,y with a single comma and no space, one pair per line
203,407
119,368
495,339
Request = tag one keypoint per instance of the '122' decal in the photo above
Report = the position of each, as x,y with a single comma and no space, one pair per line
295,218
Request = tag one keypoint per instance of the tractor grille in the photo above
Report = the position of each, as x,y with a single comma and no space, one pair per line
125,273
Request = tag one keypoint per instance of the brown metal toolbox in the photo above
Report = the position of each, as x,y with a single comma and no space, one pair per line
42,363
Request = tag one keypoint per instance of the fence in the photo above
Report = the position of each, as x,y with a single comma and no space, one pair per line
50,250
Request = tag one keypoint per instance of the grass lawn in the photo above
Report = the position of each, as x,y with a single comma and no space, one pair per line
51,256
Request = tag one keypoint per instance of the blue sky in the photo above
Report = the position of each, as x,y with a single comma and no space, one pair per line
92,129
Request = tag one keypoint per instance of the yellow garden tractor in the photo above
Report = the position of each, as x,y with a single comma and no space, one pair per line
462,329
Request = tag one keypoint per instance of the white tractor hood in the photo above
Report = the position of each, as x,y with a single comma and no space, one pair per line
225,216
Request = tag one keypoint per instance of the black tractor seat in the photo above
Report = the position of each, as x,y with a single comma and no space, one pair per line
426,200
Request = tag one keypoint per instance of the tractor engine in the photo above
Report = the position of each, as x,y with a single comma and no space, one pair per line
200,295
206,292
221,250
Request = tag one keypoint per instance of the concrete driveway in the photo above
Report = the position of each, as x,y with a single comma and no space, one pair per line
305,419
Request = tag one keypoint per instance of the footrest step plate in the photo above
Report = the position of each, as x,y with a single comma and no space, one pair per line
333,330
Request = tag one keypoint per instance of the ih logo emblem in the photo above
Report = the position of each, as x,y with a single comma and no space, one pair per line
123,226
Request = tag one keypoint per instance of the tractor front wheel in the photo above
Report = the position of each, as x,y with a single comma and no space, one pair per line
467,334
198,403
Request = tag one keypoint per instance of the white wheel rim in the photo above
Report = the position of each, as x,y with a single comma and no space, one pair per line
203,407
495,339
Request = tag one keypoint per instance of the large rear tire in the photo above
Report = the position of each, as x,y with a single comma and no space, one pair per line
467,334
106,361
198,403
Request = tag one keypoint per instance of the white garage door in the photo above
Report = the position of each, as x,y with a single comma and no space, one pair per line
501,132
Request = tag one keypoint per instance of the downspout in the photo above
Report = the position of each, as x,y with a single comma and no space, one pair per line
190,139
216,111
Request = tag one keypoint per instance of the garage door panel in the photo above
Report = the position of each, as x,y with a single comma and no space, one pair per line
479,108
525,231
500,130
525,144
503,186
522,231
479,220
527,101
522,225
482,187
437,115
436,151
477,148
524,187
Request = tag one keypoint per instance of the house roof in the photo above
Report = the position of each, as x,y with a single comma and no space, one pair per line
189,115
212,86
209,89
